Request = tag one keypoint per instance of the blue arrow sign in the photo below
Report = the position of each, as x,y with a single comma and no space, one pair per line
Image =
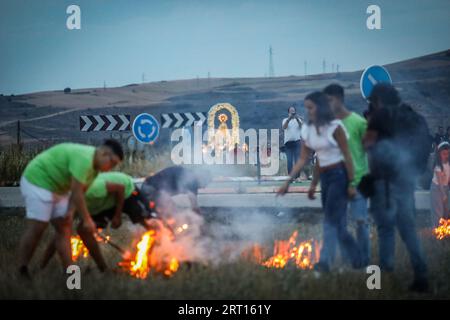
145,128
372,76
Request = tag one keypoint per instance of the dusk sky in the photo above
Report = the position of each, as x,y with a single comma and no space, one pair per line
181,39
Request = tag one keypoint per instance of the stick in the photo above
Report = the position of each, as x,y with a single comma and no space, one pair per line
112,244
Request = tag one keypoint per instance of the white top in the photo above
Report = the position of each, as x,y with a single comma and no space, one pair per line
326,147
446,174
293,130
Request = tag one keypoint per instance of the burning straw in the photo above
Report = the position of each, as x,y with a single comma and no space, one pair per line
443,230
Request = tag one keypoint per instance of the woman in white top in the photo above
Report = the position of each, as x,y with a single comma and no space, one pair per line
439,185
328,138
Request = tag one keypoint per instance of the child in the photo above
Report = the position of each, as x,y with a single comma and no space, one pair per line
53,186
440,184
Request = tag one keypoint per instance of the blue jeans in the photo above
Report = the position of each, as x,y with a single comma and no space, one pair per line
359,215
334,183
292,153
392,209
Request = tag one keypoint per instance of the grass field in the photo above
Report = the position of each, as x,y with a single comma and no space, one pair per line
240,279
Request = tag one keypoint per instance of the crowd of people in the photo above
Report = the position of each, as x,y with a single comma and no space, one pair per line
378,157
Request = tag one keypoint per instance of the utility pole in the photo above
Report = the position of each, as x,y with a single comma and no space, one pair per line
324,66
143,78
305,65
104,85
209,79
271,67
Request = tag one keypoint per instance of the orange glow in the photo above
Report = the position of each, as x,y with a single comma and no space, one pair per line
145,260
78,248
443,230
285,252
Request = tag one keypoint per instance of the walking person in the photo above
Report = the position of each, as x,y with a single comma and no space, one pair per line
356,127
292,126
440,184
328,137
397,140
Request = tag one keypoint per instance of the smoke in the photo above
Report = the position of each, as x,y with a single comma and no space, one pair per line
212,242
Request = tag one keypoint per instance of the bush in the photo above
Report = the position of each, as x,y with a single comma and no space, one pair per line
13,161
67,90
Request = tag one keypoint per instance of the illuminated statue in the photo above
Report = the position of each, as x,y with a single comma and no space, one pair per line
222,139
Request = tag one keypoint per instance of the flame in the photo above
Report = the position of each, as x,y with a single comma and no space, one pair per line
146,260
78,248
443,230
140,267
302,255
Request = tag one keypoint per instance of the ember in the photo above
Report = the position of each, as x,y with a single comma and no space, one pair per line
443,230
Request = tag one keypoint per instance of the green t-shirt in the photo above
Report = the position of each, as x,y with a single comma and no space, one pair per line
356,127
54,168
97,197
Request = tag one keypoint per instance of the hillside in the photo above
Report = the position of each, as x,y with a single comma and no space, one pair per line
261,102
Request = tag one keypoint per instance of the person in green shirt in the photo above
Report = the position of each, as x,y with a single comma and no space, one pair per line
53,186
109,195
356,127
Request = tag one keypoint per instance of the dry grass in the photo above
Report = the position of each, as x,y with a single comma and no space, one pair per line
235,280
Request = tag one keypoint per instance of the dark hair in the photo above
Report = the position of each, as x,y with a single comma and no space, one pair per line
293,106
115,146
335,90
324,114
385,93
437,158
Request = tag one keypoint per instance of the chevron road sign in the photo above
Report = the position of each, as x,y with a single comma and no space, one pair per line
178,120
115,122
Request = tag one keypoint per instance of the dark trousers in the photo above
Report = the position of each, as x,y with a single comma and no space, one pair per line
334,184
395,210
292,154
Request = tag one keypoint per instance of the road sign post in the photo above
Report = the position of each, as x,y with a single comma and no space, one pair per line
145,128
372,76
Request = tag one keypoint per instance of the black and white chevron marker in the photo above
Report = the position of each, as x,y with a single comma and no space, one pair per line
177,120
114,122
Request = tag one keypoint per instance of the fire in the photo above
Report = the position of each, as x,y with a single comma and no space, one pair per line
146,260
78,248
302,255
140,266
443,230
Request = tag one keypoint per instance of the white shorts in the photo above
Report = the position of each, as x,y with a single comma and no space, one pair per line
41,204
